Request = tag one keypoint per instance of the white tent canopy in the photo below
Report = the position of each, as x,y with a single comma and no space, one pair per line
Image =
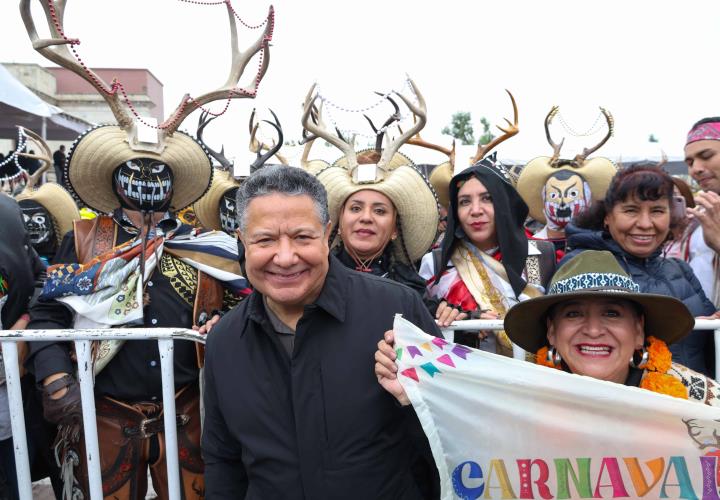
20,106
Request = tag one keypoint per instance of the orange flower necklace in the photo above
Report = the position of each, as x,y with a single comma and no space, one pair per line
655,379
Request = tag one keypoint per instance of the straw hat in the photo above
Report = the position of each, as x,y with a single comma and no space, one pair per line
440,181
58,203
595,274
100,150
207,208
407,188
597,172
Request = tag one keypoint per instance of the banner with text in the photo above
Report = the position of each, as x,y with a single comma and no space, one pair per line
504,428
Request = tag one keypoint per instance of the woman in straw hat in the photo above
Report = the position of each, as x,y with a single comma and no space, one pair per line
594,321
48,211
384,212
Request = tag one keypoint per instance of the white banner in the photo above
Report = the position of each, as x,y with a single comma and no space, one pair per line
503,428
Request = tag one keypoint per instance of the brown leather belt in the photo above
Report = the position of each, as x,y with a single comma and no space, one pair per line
151,426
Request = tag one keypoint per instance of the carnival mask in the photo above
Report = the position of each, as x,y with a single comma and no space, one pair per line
228,212
144,184
39,226
565,195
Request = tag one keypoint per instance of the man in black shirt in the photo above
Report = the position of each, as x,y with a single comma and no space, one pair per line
292,408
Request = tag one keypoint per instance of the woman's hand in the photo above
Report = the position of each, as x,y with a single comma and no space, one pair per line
487,314
445,315
386,368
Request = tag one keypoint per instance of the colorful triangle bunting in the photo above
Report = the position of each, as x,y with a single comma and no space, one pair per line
445,359
430,368
410,373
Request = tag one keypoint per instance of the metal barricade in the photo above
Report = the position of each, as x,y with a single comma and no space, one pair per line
83,339
518,353
165,337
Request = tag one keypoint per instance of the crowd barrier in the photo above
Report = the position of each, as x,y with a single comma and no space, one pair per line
165,338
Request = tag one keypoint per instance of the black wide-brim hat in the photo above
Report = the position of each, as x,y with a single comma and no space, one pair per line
596,274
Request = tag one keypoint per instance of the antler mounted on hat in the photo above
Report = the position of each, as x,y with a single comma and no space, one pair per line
264,151
312,166
511,130
384,163
51,196
580,158
99,151
594,174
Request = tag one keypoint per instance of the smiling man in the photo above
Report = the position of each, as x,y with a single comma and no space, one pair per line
292,408
702,155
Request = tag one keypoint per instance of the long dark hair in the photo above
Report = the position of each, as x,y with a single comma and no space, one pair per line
641,181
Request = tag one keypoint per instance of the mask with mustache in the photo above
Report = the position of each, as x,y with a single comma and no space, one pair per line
144,184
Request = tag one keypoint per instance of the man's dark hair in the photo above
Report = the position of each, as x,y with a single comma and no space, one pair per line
281,179
711,119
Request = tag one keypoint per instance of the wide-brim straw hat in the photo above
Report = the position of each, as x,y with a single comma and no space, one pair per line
410,192
58,203
99,151
440,181
207,208
597,172
595,274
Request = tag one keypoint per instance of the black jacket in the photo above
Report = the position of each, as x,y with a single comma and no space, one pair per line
19,264
663,276
318,425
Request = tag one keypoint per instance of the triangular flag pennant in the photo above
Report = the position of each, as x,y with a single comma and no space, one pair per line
445,359
414,351
410,373
430,368
439,342
460,351
398,354
426,346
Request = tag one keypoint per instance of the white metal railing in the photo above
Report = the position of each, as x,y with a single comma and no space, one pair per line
83,339
165,337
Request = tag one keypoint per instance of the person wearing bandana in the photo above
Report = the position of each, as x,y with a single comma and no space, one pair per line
702,155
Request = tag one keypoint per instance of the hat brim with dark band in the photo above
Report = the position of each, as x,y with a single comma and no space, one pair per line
99,151
666,318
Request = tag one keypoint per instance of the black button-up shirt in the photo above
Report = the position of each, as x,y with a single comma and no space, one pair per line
313,424
134,373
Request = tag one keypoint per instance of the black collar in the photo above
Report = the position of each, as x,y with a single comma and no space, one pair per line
332,299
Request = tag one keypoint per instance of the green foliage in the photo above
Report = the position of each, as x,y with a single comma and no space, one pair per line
461,128
652,138
486,136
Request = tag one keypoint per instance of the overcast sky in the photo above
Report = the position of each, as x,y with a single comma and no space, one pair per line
653,64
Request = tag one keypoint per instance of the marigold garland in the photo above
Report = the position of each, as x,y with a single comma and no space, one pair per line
656,378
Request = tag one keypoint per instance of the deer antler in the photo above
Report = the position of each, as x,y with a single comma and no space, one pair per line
380,133
204,119
420,111
44,156
56,50
307,138
511,130
556,147
240,61
318,129
416,140
663,159
271,150
579,159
